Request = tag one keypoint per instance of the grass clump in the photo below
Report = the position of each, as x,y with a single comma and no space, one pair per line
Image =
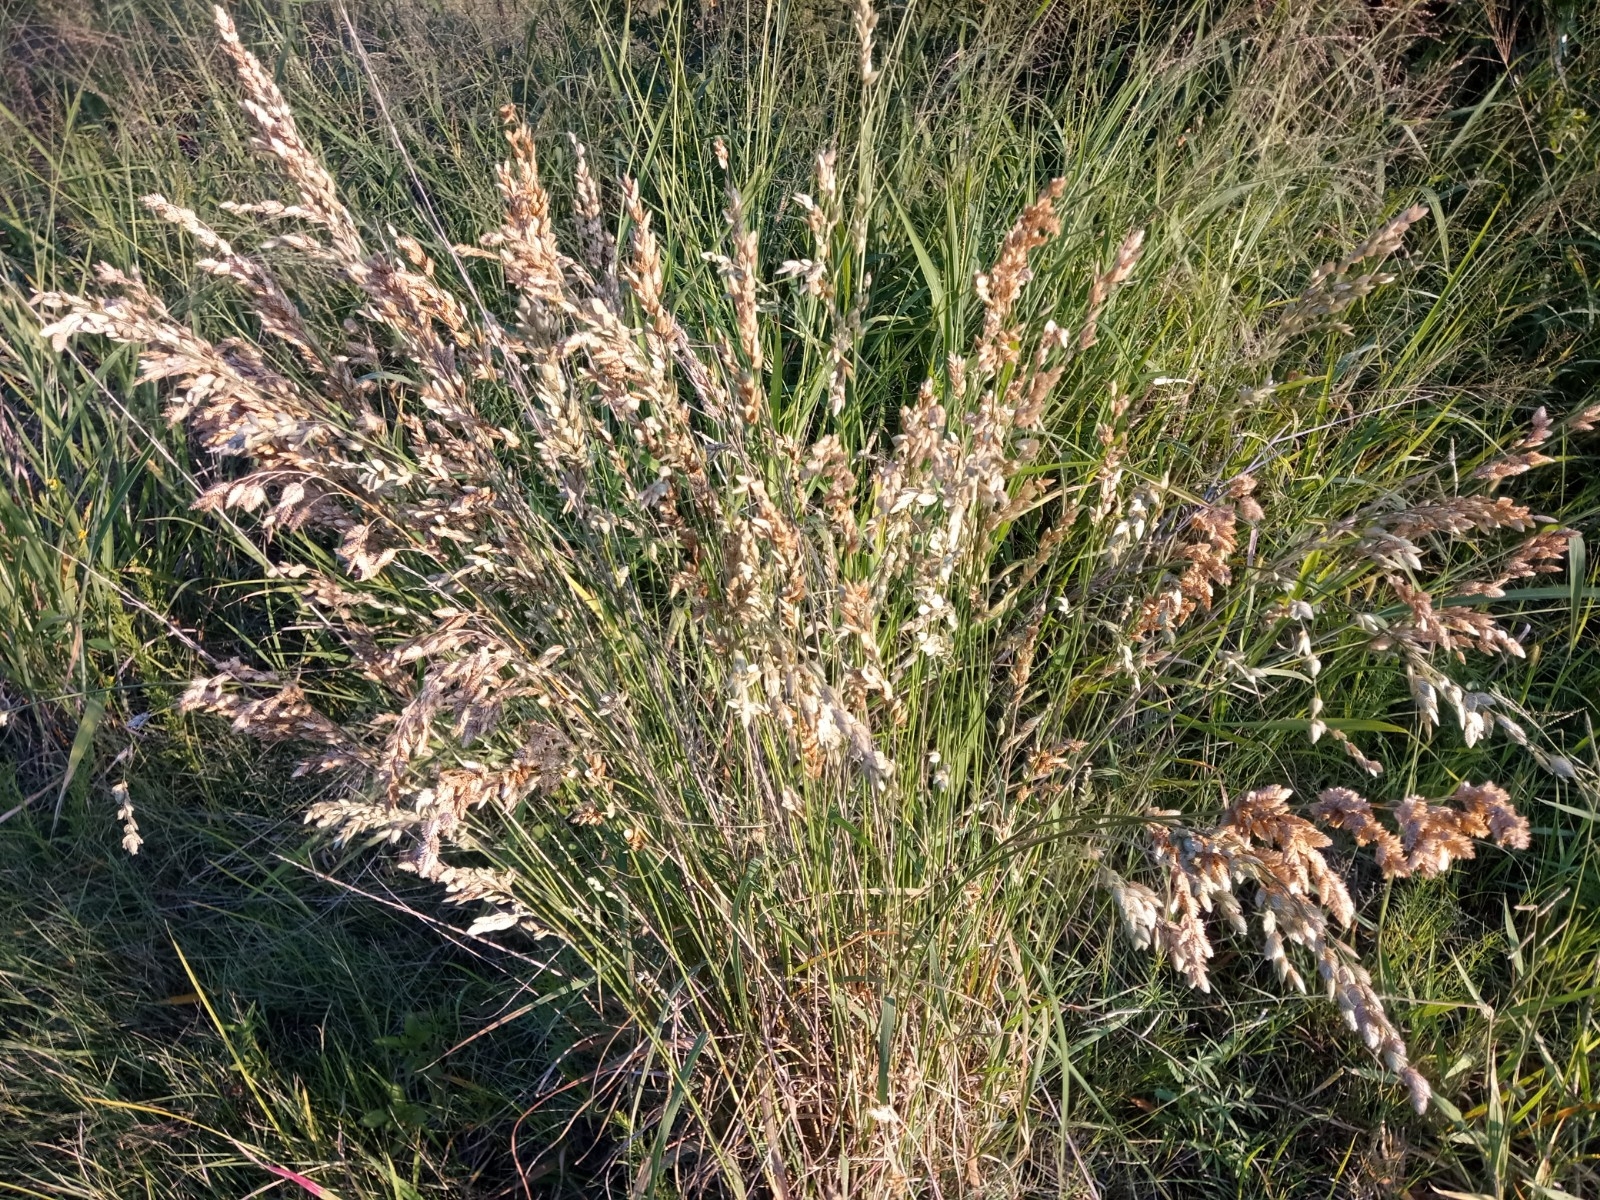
816,583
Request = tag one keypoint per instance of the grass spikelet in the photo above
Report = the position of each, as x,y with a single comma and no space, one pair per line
1300,897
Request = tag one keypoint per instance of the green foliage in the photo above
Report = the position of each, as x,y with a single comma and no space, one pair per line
1251,145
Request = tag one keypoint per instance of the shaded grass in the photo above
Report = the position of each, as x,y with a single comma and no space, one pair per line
214,982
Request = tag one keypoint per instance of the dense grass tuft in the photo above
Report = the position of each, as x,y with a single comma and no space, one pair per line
799,606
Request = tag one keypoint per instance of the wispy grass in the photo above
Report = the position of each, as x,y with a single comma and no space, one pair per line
791,982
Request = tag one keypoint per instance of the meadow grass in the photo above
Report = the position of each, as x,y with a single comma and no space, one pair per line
706,968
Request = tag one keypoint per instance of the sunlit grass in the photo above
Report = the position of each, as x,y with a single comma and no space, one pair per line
962,968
